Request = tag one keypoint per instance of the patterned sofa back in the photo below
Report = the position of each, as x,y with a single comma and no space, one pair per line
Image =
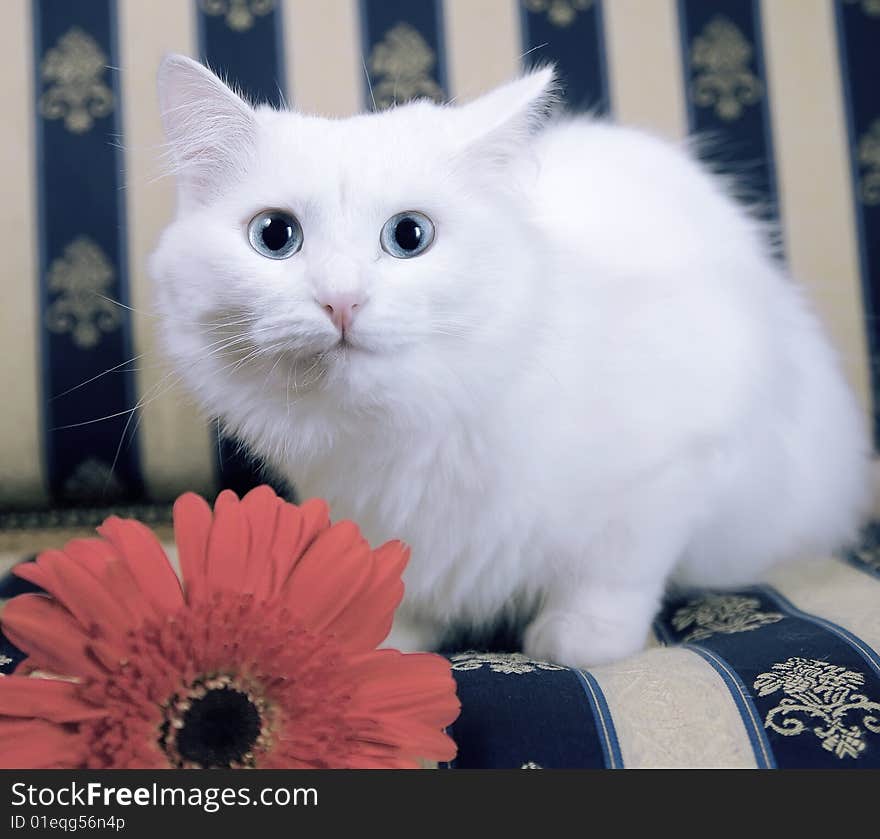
785,91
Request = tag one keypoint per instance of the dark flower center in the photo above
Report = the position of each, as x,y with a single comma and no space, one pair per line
219,729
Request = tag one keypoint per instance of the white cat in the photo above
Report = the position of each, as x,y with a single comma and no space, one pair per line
550,354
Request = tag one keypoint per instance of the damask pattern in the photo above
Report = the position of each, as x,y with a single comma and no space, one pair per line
403,49
823,699
571,34
73,71
559,12
869,162
81,281
239,15
727,95
869,7
728,613
507,663
723,80
81,234
402,64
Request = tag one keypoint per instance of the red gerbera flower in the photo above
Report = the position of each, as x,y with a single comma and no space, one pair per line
265,657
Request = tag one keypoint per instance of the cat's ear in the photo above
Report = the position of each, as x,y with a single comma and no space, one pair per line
211,131
507,116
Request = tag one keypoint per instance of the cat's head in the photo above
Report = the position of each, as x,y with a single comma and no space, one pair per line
353,255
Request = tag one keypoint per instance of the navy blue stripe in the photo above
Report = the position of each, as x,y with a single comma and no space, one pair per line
575,43
858,34
81,231
248,53
733,121
763,640
870,657
413,26
603,719
543,716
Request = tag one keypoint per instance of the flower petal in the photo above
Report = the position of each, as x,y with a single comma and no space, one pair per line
49,634
406,684
85,596
342,588
47,699
146,560
328,576
228,544
192,527
35,744
261,507
296,530
369,621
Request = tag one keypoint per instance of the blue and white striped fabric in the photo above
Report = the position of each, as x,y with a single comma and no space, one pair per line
782,675
782,92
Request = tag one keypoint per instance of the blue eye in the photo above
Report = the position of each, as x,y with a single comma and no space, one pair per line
407,234
275,234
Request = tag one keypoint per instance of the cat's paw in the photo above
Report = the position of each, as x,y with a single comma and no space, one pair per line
578,640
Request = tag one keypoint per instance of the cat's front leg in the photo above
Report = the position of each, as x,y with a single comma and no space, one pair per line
593,624
599,606
411,635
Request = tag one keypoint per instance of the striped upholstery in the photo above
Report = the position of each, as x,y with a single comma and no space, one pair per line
786,674
780,90
782,675
784,96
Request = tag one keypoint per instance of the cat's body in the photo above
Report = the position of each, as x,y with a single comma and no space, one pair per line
595,380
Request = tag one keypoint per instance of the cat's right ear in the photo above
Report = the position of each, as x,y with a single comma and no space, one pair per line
495,126
211,131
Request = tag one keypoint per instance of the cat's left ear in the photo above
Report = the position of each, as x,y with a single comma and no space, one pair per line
510,114
211,131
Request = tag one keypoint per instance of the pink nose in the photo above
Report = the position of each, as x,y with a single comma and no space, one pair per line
340,307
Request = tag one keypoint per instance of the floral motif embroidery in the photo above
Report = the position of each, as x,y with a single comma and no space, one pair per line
723,80
725,613
81,279
560,13
531,765
239,14
869,160
508,663
73,69
4,660
402,64
822,698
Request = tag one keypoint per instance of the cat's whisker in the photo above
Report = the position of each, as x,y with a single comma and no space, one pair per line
369,83
114,369
145,400
106,416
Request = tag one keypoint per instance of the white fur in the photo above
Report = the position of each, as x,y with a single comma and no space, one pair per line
596,381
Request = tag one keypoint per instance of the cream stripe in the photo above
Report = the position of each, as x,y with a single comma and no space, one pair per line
483,44
21,456
325,73
834,590
672,710
177,452
644,65
812,160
